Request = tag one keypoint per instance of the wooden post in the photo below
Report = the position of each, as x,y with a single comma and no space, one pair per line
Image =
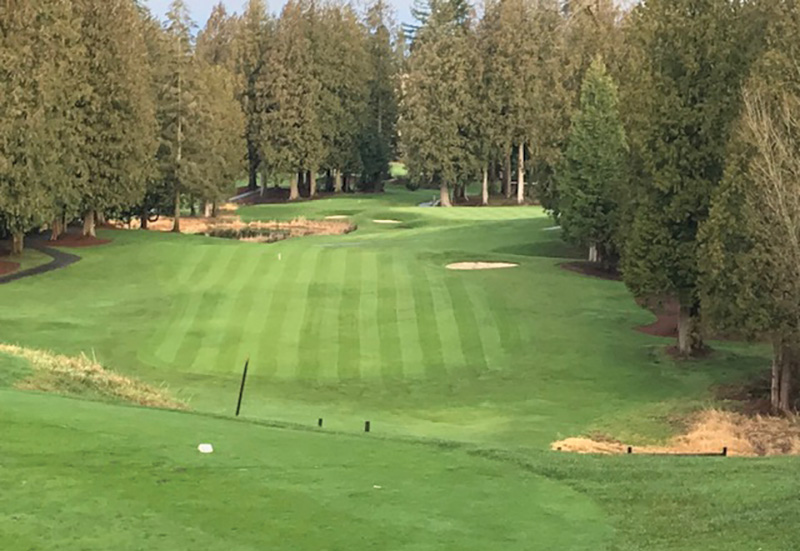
241,388
366,426
630,449
319,422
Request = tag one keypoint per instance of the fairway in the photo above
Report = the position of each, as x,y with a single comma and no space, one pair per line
466,377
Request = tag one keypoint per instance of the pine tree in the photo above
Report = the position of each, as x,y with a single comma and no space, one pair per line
215,42
591,179
686,97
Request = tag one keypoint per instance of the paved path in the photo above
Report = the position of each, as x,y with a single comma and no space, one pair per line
60,260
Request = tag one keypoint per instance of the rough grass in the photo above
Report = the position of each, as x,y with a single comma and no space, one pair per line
710,432
82,377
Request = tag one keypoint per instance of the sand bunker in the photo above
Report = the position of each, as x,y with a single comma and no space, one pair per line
380,221
711,431
480,265
336,217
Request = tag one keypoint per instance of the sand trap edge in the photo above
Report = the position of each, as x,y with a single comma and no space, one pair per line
481,265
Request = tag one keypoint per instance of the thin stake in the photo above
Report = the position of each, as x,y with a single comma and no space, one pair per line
241,388
630,449
366,426
725,451
319,422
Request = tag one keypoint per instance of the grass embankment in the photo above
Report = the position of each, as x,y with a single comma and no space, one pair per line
371,326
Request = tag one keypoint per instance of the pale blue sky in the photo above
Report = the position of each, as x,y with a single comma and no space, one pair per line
202,8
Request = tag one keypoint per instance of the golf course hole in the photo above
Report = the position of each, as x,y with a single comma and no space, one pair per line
384,221
481,265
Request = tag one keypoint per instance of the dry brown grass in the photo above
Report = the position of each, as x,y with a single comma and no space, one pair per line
80,376
711,431
294,228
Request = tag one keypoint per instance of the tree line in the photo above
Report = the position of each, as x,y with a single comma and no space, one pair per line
106,111
664,139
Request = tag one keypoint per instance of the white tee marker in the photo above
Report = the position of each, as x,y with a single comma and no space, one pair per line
205,448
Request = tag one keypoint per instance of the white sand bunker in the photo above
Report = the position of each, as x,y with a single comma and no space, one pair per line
480,265
336,217
380,221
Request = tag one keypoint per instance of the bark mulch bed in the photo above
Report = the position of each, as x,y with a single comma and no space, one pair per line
75,240
592,269
664,309
8,267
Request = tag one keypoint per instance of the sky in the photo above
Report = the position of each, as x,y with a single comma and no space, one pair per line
202,8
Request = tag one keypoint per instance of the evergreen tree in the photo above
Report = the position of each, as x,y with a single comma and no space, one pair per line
215,42
436,102
116,109
591,180
39,49
174,103
252,43
379,136
750,253
693,64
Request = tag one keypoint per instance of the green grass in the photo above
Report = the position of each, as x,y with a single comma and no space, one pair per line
372,326
30,258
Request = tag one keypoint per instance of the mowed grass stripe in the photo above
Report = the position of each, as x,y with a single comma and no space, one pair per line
368,316
205,319
267,312
191,268
290,336
389,338
328,334
231,328
309,344
407,318
348,363
487,323
506,323
445,320
469,332
430,343
206,274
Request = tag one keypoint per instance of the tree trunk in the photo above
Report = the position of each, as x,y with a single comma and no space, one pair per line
507,176
176,223
252,165
100,218
192,207
690,340
594,255
312,183
208,209
55,232
328,180
294,191
88,224
213,209
444,196
485,187
264,179
143,219
17,243
345,182
785,360
521,174
337,181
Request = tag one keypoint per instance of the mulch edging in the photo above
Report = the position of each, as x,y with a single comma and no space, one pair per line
665,311
8,267
72,240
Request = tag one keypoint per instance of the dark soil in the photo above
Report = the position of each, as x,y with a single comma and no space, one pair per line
592,269
666,312
750,397
8,267
494,201
74,240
